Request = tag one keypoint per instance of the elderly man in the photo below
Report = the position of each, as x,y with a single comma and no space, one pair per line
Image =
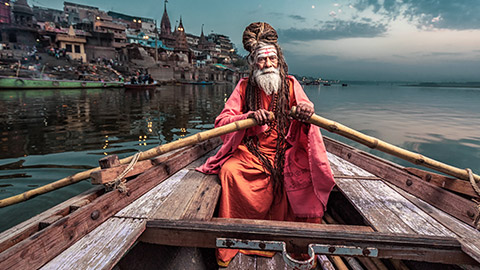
277,170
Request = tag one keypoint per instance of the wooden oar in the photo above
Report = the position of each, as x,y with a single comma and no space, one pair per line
161,149
380,145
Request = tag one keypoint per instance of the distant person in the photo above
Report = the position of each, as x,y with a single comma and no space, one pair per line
279,169
133,80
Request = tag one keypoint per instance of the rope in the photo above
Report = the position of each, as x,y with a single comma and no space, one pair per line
477,189
472,181
119,182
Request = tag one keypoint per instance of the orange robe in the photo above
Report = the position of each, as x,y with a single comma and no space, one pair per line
247,190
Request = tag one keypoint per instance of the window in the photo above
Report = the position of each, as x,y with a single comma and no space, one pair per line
12,37
77,48
68,47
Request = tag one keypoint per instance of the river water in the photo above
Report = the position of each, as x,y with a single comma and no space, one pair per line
50,134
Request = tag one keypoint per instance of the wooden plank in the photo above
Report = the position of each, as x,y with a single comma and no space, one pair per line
175,205
399,246
457,206
468,236
203,203
342,167
48,221
292,224
407,212
147,205
374,211
44,245
27,228
276,262
108,174
243,262
457,185
102,248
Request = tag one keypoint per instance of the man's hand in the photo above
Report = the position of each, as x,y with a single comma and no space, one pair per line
262,116
304,112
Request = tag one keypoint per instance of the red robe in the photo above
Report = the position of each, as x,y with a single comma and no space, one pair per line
247,190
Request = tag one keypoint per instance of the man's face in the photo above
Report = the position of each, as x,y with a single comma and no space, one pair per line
266,72
266,58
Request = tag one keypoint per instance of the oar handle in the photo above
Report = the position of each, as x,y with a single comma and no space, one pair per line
385,147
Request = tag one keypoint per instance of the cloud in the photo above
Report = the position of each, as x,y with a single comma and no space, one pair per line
334,30
298,18
442,14
283,15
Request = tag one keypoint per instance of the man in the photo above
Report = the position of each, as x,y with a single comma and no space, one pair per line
277,170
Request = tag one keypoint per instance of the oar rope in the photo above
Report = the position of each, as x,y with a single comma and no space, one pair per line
380,145
119,181
156,151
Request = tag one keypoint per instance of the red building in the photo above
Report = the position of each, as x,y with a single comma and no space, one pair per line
5,7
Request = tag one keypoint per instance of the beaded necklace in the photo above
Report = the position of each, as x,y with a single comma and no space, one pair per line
272,107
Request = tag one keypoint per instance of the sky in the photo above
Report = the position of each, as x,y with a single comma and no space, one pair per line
379,40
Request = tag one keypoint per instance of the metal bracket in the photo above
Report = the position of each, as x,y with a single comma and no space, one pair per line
296,264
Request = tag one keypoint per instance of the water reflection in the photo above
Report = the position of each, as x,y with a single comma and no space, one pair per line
45,122
51,134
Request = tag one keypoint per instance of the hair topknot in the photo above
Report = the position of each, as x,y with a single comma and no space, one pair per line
258,32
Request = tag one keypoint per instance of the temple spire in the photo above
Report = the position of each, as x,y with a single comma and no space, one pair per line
165,26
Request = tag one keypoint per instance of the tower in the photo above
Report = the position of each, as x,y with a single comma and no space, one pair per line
165,27
180,38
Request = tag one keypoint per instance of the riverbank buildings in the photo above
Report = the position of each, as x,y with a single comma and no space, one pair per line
90,35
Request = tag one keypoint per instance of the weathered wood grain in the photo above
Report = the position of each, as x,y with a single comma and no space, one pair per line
102,248
48,221
453,204
43,246
468,236
175,205
407,212
343,167
243,262
400,246
203,202
27,228
379,217
147,205
111,169
292,224
457,185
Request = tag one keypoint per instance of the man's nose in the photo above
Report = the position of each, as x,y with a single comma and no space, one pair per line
268,62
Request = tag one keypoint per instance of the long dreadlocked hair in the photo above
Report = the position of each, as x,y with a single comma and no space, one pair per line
256,35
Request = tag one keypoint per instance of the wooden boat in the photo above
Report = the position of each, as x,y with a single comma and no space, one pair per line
203,82
140,86
196,82
27,83
380,216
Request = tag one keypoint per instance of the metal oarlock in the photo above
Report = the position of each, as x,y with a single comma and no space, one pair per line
313,249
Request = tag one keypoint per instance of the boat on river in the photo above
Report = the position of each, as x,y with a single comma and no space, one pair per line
16,83
161,215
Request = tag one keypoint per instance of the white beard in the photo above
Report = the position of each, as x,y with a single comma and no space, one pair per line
268,80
